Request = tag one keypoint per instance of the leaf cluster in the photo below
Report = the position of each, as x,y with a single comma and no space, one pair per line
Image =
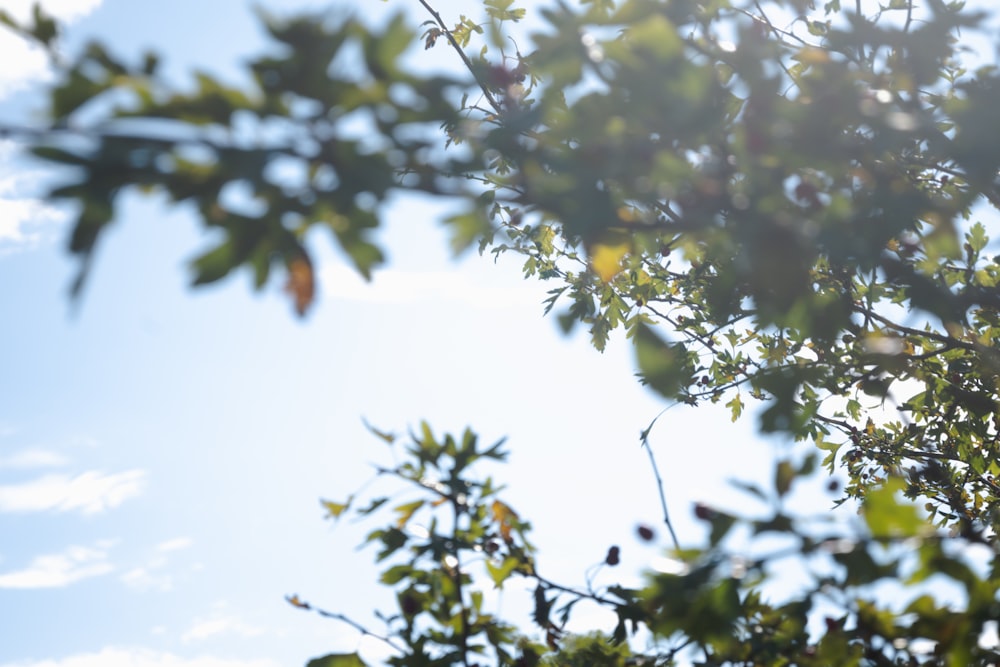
782,204
708,605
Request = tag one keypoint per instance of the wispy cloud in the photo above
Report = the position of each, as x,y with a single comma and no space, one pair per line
62,569
22,62
221,621
64,10
115,656
153,575
88,493
33,458
220,624
25,220
175,544
149,577
24,223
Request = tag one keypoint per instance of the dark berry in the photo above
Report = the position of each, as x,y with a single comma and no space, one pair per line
613,557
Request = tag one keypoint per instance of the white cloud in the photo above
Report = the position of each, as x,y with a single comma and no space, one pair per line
219,625
175,544
147,578
221,621
89,493
152,576
114,656
64,10
21,62
58,570
33,458
25,221
394,286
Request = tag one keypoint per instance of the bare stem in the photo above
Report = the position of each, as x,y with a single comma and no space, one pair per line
659,480
305,606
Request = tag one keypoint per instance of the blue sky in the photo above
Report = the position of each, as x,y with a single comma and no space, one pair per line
162,450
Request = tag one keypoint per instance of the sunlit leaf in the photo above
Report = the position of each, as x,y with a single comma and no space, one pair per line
334,509
887,515
337,660
406,512
664,366
505,517
606,260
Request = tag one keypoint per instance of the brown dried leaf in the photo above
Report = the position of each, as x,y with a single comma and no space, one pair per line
301,284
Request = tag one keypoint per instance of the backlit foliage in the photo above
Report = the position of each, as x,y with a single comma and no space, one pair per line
783,202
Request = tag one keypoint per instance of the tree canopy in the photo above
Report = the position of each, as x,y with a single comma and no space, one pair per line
783,202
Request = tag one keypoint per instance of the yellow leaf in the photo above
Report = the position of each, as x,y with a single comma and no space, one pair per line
406,512
606,260
504,516
810,55
296,602
333,509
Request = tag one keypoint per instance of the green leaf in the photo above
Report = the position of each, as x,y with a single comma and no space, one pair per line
334,510
817,28
213,264
784,474
500,10
663,366
385,436
658,35
735,405
337,660
500,573
976,237
721,523
396,574
406,512
467,228
887,516
374,505
392,539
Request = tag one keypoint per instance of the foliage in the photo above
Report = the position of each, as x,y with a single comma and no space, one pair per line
454,540
776,200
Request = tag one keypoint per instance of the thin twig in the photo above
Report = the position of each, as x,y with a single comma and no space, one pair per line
305,606
659,480
465,59
933,335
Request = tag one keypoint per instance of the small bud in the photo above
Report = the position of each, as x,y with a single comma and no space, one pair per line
704,512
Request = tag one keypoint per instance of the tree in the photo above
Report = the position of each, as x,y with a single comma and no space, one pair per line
792,193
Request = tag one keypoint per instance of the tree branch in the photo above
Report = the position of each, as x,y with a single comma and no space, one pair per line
305,606
465,59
